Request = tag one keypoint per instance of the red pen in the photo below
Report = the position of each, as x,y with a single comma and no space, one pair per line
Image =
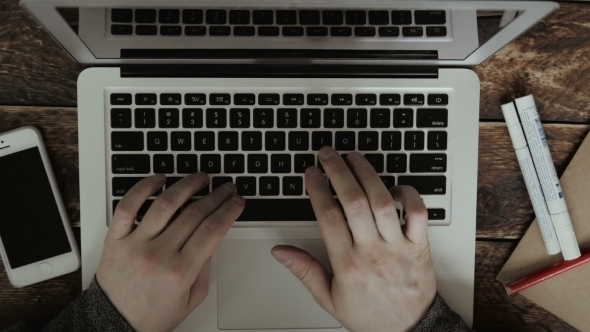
546,273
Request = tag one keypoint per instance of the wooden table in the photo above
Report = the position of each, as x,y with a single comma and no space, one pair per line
38,87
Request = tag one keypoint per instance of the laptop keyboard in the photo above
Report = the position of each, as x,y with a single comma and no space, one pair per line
263,141
280,22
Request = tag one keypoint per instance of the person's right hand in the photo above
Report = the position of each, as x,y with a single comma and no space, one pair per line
383,274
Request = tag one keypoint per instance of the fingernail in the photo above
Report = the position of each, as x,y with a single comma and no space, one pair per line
282,258
327,153
313,171
159,177
354,158
238,199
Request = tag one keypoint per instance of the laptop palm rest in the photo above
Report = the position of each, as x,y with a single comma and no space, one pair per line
256,292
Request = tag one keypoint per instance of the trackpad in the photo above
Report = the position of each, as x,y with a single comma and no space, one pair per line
257,292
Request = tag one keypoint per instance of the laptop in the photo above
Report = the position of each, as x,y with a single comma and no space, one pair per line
248,91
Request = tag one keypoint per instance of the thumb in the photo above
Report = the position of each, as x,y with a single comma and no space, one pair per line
312,274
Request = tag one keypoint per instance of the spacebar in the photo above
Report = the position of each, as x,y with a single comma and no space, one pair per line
277,210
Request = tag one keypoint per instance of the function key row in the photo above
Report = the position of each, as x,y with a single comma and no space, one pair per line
274,99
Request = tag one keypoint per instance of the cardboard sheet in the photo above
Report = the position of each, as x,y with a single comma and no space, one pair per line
567,295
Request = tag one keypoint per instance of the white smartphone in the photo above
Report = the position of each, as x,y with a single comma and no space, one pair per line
36,238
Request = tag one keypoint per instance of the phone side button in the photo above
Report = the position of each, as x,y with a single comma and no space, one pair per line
45,269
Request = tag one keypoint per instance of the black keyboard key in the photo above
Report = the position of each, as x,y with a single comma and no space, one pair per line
388,32
269,99
436,214
412,31
425,185
119,15
274,210
320,139
257,163
192,30
121,29
303,161
309,17
342,99
317,99
145,118
145,16
391,141
364,32
216,16
170,99
414,140
244,31
356,17
414,100
356,118
146,30
217,181
168,118
126,141
228,141
432,118
378,17
170,30
366,99
157,141
293,186
292,31
146,99
428,163
131,163
376,160
268,31
171,180
430,17
280,163
122,185
332,17
219,31
234,164
244,99
380,118
186,163
341,31
180,141
195,99
263,118
121,99
298,141
390,99
216,118
388,181
345,141
333,118
120,118
169,16
401,17
246,185
239,118
286,17
397,163
275,141
403,118
204,141
317,31
163,163
438,100
262,17
239,17
219,99
192,118
252,141
269,185
310,118
287,118
436,31
437,140
293,99
192,16
368,141
211,163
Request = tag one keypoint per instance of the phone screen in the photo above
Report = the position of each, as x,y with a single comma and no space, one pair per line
31,227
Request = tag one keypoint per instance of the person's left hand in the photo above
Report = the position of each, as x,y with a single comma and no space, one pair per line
155,276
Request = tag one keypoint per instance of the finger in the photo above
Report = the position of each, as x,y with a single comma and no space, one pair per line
181,229
381,202
312,274
126,212
200,287
331,221
416,213
351,195
167,203
206,238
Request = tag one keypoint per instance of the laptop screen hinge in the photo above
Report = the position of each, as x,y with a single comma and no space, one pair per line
279,71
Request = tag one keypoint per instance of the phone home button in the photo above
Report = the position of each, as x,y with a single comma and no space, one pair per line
45,269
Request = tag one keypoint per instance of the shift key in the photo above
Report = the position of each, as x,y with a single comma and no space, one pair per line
425,185
131,163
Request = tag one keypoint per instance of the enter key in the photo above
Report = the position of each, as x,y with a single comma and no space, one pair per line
428,163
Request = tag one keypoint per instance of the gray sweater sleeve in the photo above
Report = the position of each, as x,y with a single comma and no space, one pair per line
441,318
